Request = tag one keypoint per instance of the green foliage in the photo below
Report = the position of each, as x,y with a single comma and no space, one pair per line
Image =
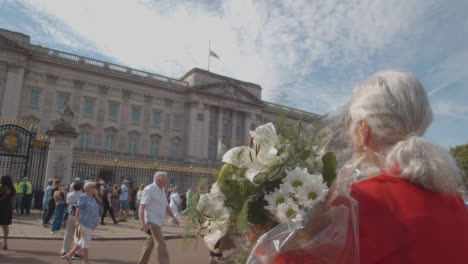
461,155
330,166
194,218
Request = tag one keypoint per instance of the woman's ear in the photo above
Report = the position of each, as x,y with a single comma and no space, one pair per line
364,132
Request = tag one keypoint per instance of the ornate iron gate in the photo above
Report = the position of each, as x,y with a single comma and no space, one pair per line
116,170
23,153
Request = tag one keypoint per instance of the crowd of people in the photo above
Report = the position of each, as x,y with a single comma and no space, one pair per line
77,206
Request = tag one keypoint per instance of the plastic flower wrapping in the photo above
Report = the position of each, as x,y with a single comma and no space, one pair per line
268,188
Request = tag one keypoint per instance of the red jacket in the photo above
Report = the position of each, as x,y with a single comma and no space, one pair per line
400,223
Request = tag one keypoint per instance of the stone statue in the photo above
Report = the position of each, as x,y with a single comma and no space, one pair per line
64,124
66,114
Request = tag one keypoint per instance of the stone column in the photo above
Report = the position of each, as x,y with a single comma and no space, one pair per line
60,156
219,135
76,100
247,122
233,129
220,123
194,147
123,129
12,92
206,131
100,116
147,123
49,107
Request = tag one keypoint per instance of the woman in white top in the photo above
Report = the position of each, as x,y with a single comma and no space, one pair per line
72,199
137,201
174,203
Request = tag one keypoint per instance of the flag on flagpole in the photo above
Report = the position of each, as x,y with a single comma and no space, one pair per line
213,54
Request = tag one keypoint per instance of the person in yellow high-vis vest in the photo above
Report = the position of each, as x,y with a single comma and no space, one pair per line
19,194
27,196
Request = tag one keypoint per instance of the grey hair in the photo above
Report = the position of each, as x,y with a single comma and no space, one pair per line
396,107
159,175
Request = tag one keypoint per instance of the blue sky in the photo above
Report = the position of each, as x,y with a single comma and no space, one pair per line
314,51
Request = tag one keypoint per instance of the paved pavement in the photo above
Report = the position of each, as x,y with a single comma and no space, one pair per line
29,227
106,252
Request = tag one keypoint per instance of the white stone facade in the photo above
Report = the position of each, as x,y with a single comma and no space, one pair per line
119,111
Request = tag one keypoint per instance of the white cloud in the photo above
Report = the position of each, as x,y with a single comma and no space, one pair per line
315,50
449,108
451,70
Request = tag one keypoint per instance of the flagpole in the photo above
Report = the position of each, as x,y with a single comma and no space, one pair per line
209,49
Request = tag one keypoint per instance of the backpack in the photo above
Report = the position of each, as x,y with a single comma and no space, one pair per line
73,209
119,191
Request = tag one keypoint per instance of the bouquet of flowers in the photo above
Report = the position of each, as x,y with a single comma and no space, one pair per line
276,178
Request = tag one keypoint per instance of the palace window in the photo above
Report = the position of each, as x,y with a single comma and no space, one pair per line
210,127
154,148
175,150
238,131
84,140
132,146
136,114
176,121
157,118
110,141
61,101
113,111
88,107
209,154
34,98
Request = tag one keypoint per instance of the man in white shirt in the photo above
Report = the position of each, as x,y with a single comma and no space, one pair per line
152,212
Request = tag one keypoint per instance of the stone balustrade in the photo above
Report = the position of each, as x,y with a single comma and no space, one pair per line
104,66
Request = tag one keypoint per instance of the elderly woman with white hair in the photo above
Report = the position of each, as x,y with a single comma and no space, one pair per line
86,219
408,209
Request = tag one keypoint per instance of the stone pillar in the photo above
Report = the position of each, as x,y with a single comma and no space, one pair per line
101,104
12,92
220,124
76,101
124,123
206,131
147,123
49,107
60,156
195,133
233,129
246,135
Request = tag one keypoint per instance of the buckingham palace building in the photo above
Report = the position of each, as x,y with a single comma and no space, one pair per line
128,118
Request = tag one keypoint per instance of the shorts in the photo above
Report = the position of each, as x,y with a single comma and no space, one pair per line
85,237
123,205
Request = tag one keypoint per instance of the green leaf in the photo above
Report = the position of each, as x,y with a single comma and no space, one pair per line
330,166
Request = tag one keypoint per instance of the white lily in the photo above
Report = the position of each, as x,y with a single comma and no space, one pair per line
213,209
259,156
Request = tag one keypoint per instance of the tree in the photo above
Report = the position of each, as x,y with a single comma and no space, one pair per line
461,155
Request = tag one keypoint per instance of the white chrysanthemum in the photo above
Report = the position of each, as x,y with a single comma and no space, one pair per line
276,198
296,178
311,191
286,210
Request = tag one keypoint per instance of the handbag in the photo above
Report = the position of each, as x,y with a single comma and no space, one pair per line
77,234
